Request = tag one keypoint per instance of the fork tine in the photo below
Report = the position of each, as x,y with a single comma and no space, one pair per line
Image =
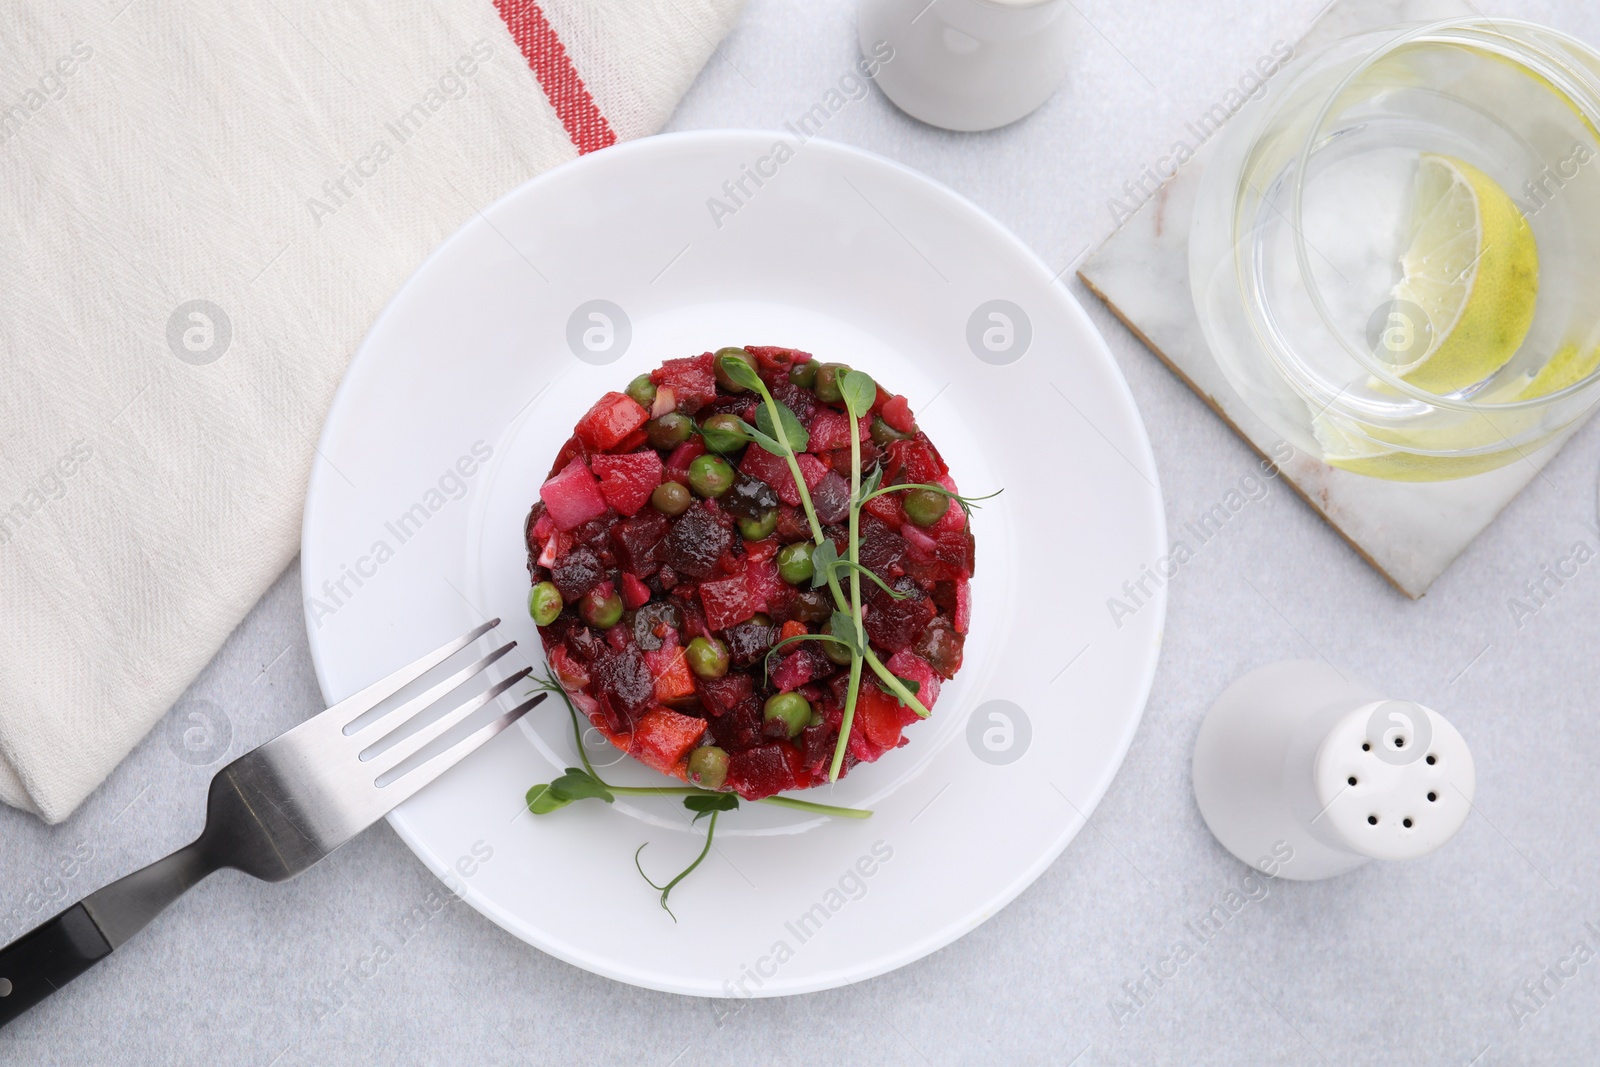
410,709
402,788
352,707
400,751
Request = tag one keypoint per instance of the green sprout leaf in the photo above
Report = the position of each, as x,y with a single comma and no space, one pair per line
911,687
766,441
842,627
792,430
824,558
721,440
542,802
859,392
739,370
577,784
868,487
705,805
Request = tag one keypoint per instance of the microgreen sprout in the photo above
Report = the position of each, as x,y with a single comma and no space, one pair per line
713,805
585,783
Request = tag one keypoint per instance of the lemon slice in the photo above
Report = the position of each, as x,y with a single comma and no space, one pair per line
1472,267
1567,367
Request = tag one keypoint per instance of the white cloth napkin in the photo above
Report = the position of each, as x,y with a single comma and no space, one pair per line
202,208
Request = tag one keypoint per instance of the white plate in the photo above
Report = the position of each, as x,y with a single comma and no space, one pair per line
853,258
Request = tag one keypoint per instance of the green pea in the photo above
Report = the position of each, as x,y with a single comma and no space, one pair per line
708,767
804,374
544,603
760,527
828,382
836,652
643,390
792,709
794,563
816,719
710,476
671,499
707,657
723,433
883,433
601,612
925,507
719,367
669,431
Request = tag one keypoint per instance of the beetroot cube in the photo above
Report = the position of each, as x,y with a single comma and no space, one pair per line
686,453
748,642
634,541
721,695
739,727
613,417
774,470
831,498
727,602
947,557
576,573
800,401
762,465
762,582
816,748
635,594
695,543
760,772
897,413
792,524
773,362
914,461
830,429
907,664
887,509
574,447
881,548
792,671
572,497
692,381
812,469
893,624
542,525
625,686
626,482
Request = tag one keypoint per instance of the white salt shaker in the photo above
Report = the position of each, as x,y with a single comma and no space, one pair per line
967,64
1302,770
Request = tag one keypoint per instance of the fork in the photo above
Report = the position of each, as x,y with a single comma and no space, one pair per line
271,813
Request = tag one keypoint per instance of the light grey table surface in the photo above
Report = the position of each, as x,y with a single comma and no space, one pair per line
1393,964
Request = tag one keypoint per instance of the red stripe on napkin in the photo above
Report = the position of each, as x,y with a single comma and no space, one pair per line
547,56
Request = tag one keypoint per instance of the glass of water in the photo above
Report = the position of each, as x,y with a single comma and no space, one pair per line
1395,254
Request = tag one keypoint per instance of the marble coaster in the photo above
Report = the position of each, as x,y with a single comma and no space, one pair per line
1409,531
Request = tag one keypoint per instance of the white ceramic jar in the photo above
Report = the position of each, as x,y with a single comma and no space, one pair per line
968,64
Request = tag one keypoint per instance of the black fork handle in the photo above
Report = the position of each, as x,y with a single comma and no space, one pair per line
48,957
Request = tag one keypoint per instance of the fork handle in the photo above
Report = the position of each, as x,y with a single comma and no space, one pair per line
47,958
